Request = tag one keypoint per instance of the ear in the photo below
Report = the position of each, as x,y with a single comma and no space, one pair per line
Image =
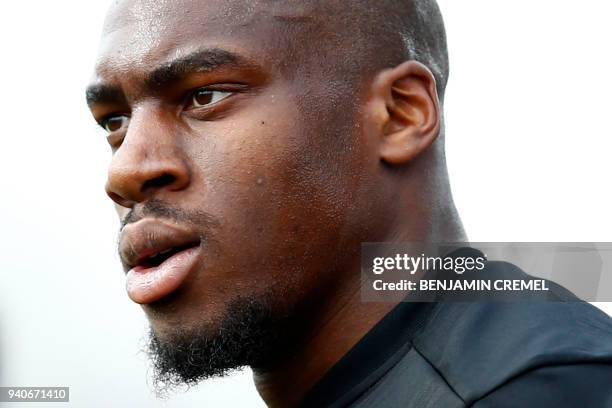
406,108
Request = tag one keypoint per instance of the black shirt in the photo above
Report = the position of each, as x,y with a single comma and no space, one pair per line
478,354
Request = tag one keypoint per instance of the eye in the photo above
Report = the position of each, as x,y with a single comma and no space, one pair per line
206,97
114,123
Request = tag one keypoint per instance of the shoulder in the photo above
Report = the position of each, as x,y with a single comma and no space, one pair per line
482,347
570,386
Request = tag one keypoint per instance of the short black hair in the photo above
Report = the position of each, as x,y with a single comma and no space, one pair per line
402,30
361,37
425,38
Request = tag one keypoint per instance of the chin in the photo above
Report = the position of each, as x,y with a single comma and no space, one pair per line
247,332
170,315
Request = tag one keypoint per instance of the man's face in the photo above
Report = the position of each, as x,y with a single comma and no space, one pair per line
234,153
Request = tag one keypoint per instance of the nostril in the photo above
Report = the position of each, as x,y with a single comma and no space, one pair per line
119,200
164,180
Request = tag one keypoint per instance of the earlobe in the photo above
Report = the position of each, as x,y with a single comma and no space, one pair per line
412,122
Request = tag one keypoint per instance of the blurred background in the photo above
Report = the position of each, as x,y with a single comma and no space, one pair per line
529,146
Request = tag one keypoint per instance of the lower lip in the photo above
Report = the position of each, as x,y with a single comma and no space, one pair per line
148,285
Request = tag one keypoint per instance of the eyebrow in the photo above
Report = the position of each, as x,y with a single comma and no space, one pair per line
100,93
204,60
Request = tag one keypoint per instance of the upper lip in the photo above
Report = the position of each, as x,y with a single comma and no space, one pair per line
148,238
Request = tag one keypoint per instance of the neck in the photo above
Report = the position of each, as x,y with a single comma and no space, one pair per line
339,320
339,326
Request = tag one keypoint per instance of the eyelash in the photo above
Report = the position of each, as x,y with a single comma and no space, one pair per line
105,121
191,98
226,89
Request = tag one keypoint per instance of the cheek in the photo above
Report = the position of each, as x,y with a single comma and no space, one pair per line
277,193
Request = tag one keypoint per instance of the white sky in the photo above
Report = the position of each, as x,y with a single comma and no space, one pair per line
528,145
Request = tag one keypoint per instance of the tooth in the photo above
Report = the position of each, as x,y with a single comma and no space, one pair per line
166,251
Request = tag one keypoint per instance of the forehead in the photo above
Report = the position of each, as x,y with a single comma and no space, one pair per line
145,32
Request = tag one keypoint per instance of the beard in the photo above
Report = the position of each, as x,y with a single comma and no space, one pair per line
248,334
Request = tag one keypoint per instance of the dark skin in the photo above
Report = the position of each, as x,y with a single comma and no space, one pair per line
202,115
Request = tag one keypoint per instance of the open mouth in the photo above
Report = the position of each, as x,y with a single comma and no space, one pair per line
158,258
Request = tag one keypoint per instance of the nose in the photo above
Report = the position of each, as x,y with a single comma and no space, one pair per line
149,162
